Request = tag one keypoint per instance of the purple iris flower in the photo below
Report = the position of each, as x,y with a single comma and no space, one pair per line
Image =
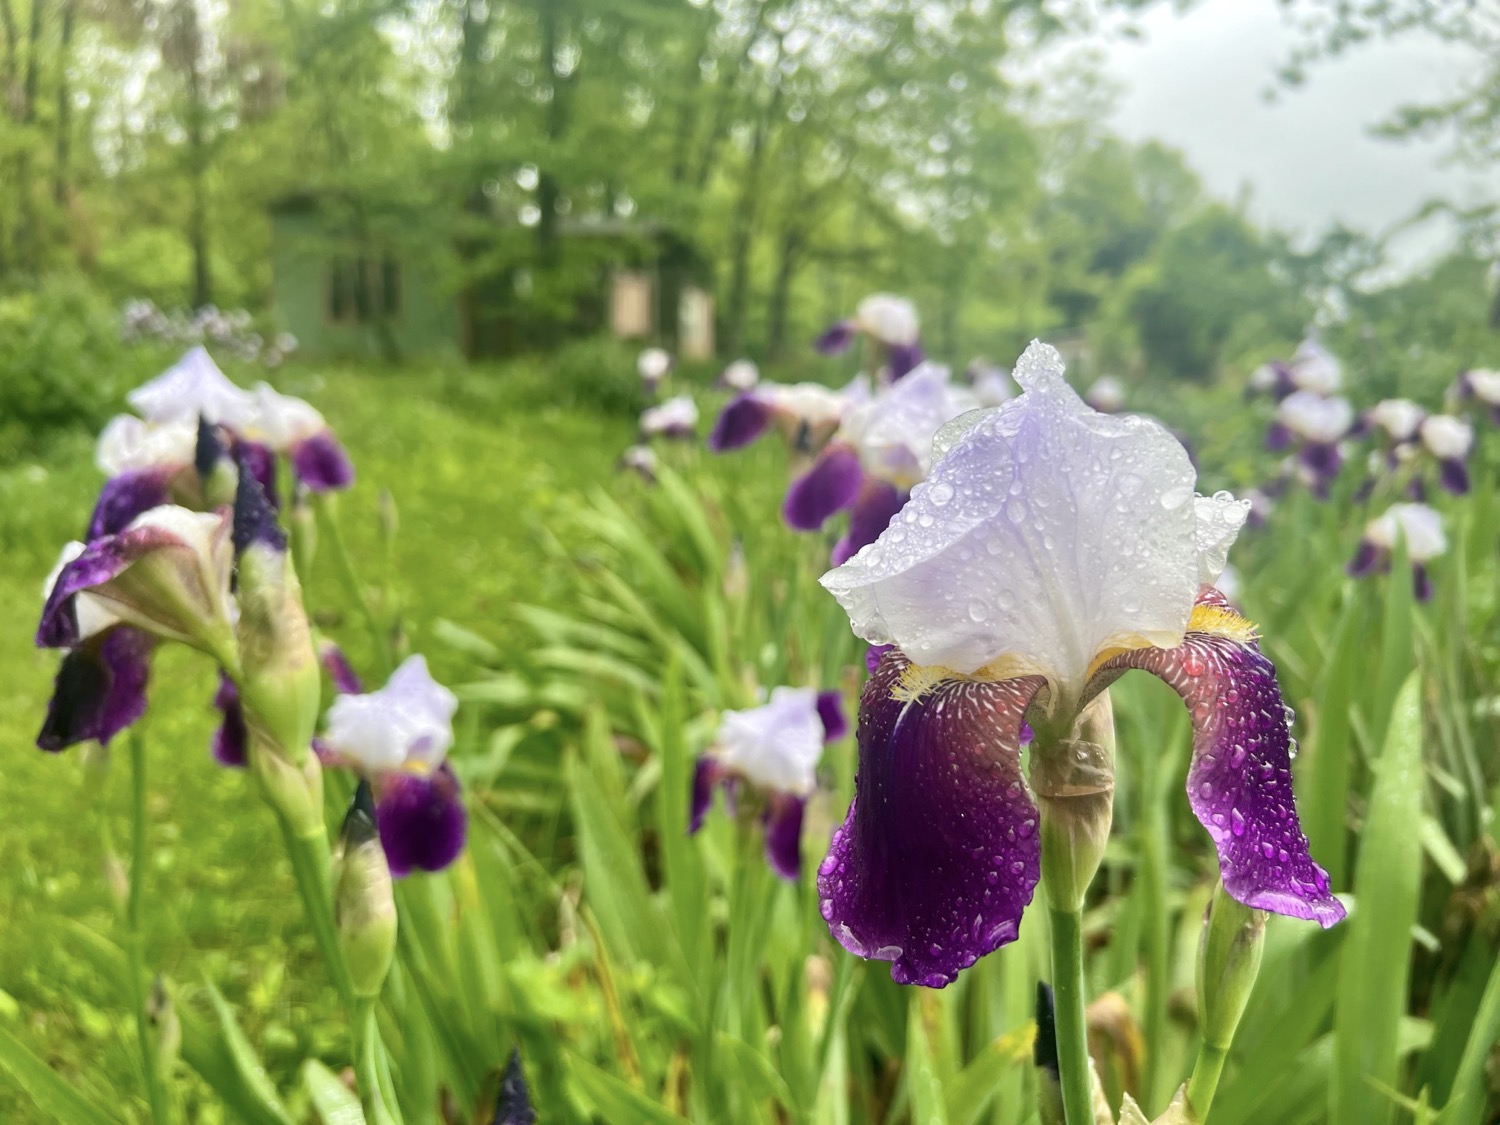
1419,527
398,737
675,418
1316,425
1482,386
654,365
774,748
888,320
144,462
230,745
807,414
1050,549
1449,440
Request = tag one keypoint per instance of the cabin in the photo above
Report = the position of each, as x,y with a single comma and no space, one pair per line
350,281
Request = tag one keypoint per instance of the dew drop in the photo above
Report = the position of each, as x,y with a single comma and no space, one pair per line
1237,822
940,493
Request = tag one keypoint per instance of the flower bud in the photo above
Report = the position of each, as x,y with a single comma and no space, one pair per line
364,906
1229,953
1074,783
304,533
215,470
280,682
513,1104
293,789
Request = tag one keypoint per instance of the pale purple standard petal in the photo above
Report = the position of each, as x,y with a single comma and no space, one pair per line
321,463
783,822
741,422
878,504
128,495
229,742
836,338
831,485
831,711
422,820
99,691
939,853
1240,782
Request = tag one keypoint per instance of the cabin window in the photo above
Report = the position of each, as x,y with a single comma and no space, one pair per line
360,290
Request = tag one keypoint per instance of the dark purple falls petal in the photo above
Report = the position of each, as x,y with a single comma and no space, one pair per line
321,463
783,821
1240,782
707,774
831,711
229,742
423,823
877,504
345,680
100,561
1368,559
835,338
903,359
100,690
939,853
261,463
126,496
1453,476
741,422
1278,437
831,485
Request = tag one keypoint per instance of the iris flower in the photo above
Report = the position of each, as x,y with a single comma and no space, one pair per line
1050,549
882,449
775,748
1315,425
675,418
1481,385
807,414
398,737
1420,527
890,322
1449,440
741,375
1312,368
653,365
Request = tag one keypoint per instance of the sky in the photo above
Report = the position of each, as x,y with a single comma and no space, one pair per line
1197,81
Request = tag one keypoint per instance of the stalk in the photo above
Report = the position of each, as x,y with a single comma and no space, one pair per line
1072,1026
312,865
135,943
1205,1080
367,1059
331,534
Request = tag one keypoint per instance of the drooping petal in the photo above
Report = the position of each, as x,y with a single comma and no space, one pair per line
836,338
1240,782
872,513
100,690
1045,534
321,463
831,712
1453,475
707,774
783,822
745,418
230,746
902,359
126,496
939,853
423,823
830,486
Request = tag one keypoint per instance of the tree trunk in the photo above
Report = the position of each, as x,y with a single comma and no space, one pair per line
198,166
744,231
28,241
64,140
790,261
549,190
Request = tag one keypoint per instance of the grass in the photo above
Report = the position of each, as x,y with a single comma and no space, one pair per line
476,475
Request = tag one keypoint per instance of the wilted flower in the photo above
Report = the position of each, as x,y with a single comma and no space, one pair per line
1316,425
675,418
1050,549
653,365
1419,527
641,460
740,375
398,737
1106,394
775,748
890,321
882,449
1450,440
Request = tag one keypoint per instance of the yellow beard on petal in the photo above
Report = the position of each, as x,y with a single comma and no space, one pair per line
919,679
1221,621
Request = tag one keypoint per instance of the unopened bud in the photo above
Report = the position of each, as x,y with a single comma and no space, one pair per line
280,683
364,904
304,534
1229,953
216,473
513,1106
293,789
1074,783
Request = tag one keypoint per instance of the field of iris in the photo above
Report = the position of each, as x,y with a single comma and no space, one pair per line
595,626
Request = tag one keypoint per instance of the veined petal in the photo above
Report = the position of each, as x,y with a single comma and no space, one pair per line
1240,782
1045,535
100,690
422,820
939,853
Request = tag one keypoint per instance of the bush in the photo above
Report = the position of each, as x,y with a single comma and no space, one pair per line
597,372
63,365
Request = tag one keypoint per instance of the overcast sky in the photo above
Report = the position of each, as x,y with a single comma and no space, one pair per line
1197,82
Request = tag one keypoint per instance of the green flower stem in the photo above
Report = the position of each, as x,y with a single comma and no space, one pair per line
1205,1080
367,1062
312,865
1072,1026
333,537
135,938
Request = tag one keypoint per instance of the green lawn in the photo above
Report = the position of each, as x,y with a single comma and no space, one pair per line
476,469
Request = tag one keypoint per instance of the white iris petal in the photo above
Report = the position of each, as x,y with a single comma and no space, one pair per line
777,745
1045,535
408,720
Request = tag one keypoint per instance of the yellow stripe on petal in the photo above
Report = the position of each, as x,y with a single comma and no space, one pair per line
919,679
1221,621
